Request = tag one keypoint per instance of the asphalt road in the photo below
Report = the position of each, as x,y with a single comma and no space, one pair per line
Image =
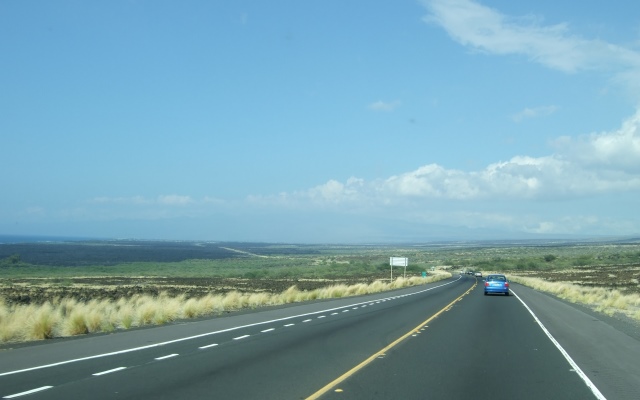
442,340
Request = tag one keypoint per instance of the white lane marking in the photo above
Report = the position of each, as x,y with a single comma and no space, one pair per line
27,392
307,320
268,330
566,355
322,316
334,313
241,337
208,346
109,371
18,371
345,310
167,356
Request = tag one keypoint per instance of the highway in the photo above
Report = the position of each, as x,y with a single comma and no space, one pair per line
437,341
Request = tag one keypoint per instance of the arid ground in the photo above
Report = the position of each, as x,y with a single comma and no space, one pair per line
625,279
38,291
33,273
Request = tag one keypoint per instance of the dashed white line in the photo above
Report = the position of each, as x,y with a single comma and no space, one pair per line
322,316
241,337
334,313
182,339
27,392
109,371
167,356
307,320
208,346
268,330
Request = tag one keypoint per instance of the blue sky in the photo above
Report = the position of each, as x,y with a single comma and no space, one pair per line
320,121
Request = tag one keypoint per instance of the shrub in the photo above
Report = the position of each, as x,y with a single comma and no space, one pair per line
146,311
42,323
126,316
190,308
75,324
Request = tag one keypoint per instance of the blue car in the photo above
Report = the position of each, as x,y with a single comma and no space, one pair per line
496,283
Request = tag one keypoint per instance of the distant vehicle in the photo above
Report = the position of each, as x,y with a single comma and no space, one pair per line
479,274
496,283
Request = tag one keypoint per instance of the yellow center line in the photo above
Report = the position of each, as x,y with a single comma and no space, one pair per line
364,363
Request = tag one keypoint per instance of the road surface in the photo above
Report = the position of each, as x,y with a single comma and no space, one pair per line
437,341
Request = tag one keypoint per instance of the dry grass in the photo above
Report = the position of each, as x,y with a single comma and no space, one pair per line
603,300
68,317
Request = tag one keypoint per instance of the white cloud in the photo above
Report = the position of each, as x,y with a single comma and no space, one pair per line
330,193
146,208
616,152
485,29
35,210
120,200
534,112
431,181
336,192
384,106
167,200
174,200
590,165
579,224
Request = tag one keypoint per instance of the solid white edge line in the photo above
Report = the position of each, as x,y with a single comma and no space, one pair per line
167,356
11,396
566,355
206,334
109,371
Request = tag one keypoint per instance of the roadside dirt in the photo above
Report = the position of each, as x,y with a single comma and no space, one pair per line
625,278
39,291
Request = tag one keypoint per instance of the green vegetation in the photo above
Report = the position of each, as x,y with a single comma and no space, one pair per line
327,261
604,276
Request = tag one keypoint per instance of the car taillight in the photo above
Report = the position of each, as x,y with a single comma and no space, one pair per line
486,284
506,284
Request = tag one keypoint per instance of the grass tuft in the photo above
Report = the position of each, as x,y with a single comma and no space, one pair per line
42,323
601,300
68,317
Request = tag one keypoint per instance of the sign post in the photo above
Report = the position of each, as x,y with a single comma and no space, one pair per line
398,262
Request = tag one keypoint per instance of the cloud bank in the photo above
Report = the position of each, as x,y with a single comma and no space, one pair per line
590,165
